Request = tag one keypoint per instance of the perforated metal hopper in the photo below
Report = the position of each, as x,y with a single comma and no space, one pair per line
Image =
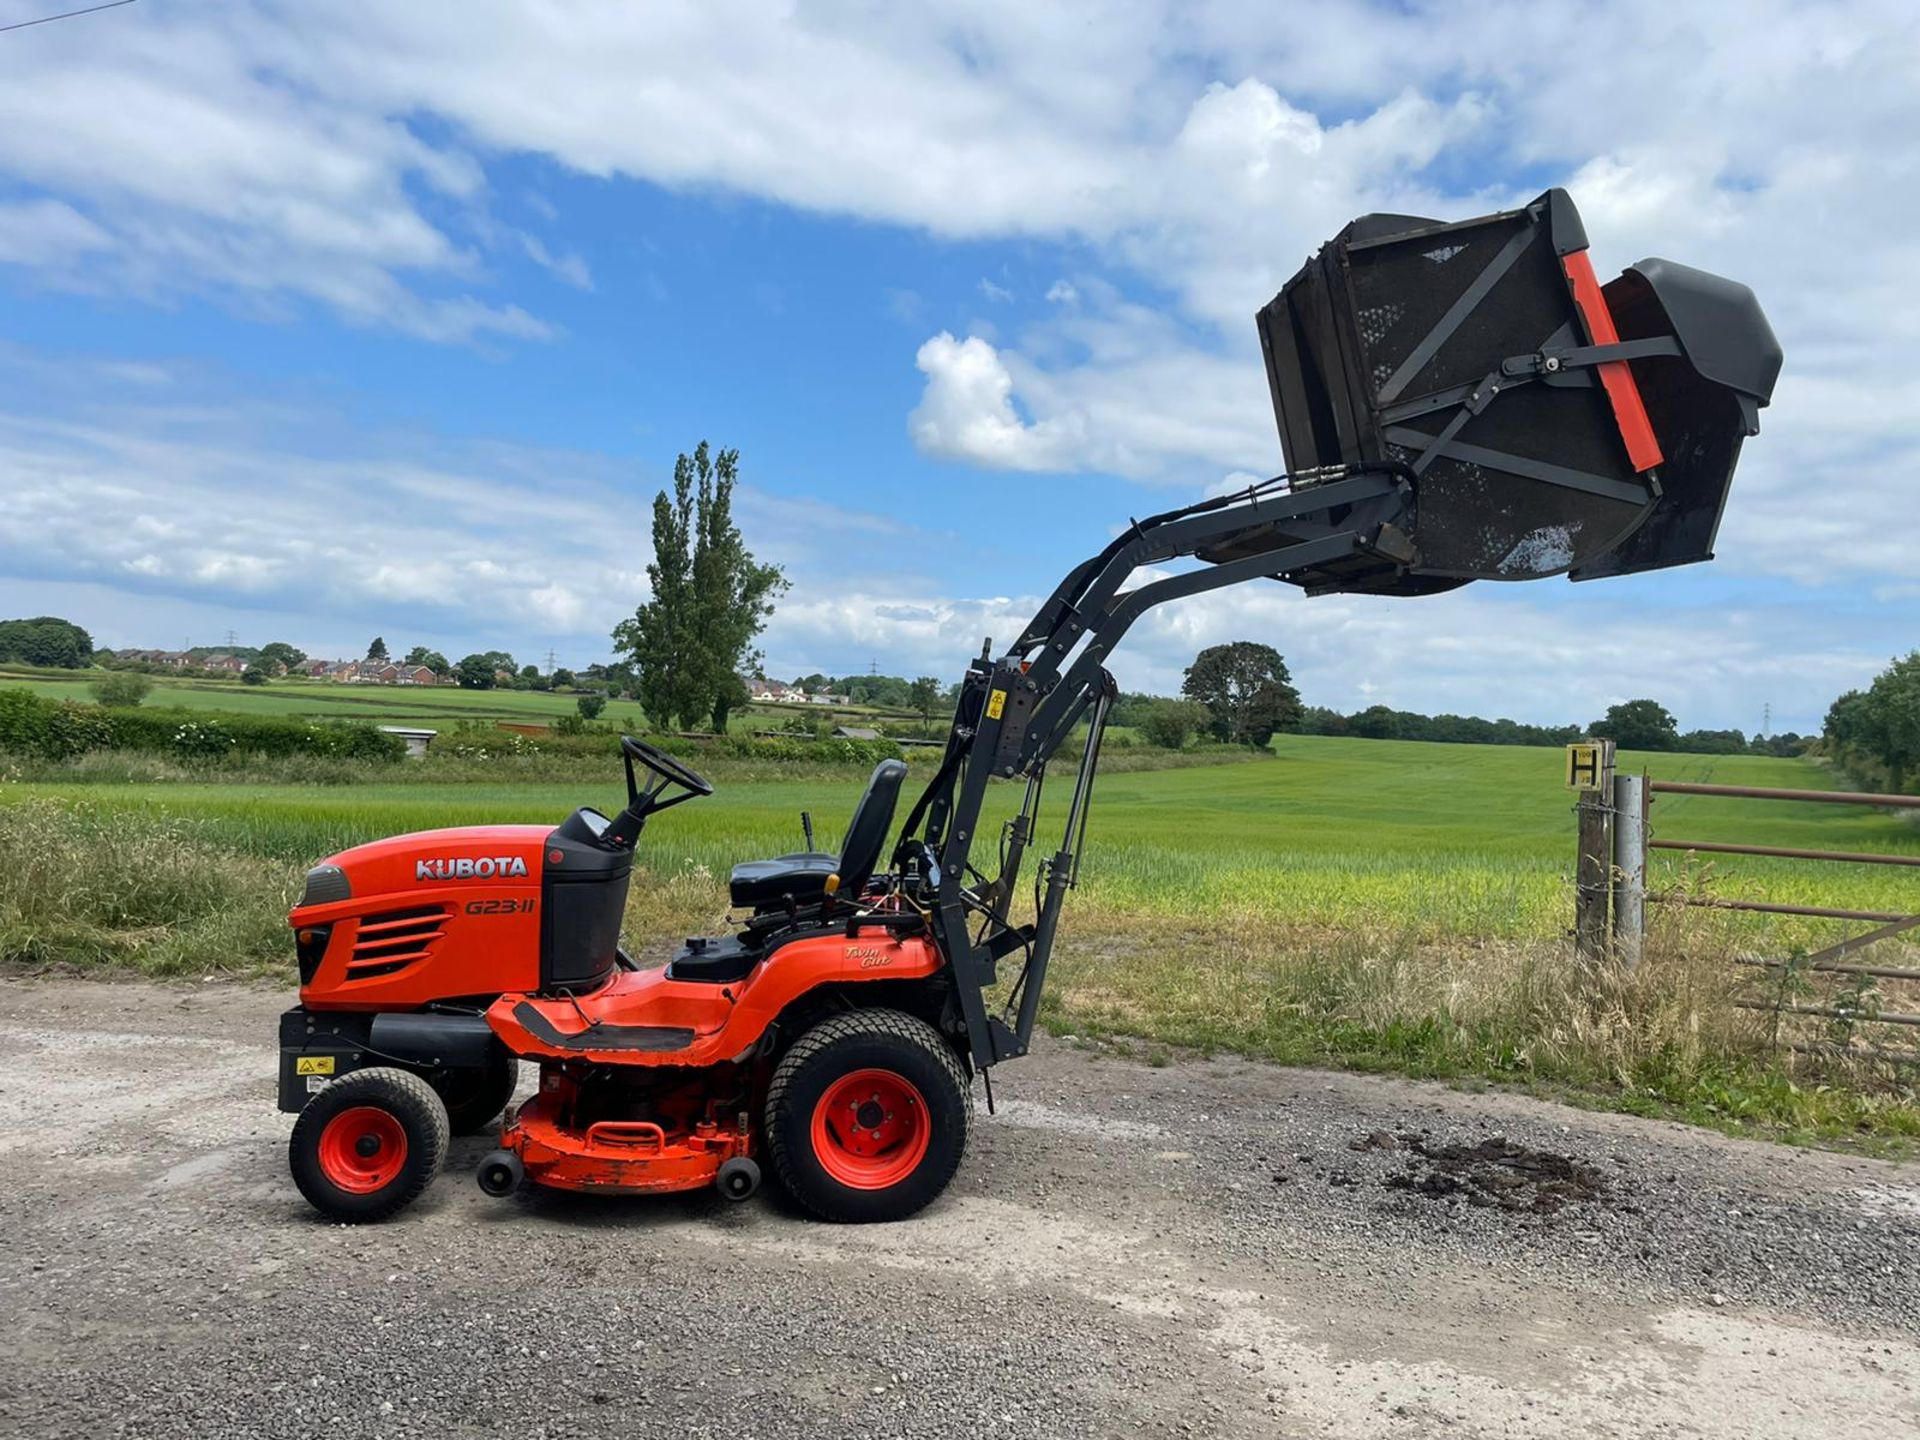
1547,424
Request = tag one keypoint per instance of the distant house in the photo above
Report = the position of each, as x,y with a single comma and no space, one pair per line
370,672
823,697
223,664
171,659
776,691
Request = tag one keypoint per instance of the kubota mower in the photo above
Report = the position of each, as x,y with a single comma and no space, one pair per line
1456,402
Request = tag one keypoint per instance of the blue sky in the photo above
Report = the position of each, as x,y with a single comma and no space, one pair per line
329,321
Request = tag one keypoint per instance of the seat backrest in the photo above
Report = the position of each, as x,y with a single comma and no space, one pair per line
867,830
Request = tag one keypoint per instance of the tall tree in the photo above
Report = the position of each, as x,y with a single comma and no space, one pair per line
432,659
710,597
1246,689
377,650
46,640
731,696
1893,717
1638,725
924,694
279,652
475,672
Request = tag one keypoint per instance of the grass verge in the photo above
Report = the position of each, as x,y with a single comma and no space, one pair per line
1666,1039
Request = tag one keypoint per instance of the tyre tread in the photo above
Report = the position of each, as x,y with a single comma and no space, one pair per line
783,1138
386,1084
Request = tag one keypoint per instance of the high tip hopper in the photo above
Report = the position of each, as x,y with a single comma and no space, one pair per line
1545,423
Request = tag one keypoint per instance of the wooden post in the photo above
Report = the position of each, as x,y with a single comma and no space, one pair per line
1593,870
1629,867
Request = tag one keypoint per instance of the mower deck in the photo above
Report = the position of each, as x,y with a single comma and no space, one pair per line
619,1157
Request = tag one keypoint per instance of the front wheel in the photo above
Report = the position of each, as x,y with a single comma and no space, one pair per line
867,1116
367,1145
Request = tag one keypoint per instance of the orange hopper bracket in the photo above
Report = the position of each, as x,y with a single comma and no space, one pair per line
1629,411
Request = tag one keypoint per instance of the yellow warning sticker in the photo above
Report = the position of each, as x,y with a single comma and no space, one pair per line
996,702
313,1065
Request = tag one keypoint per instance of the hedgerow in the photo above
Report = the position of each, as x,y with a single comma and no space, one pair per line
61,729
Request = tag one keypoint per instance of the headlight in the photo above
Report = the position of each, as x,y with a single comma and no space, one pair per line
326,883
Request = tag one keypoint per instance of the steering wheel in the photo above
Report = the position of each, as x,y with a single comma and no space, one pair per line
664,765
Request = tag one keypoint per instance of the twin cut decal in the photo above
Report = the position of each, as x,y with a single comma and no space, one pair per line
486,867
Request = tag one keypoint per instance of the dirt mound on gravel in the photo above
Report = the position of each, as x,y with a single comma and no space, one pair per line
1498,1174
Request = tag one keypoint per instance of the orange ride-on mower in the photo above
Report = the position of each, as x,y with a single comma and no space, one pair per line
1456,402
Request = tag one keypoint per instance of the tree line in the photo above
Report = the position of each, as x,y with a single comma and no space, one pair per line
1875,733
46,640
1631,724
1242,694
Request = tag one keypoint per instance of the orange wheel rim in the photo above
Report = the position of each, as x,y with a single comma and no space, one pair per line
870,1130
362,1150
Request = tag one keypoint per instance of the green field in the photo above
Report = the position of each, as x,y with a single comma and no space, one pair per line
436,707
1434,839
1386,904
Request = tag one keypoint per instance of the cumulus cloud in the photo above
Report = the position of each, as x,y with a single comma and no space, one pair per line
966,412
340,155
343,156
221,511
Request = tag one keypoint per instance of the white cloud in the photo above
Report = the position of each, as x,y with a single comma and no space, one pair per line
218,513
341,155
566,266
966,411
1493,651
1148,412
48,234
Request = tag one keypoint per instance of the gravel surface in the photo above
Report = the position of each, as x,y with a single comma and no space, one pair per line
1215,1248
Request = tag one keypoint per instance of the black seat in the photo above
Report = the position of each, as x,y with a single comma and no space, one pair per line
762,882
804,876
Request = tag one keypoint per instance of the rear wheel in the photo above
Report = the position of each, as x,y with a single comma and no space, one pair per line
367,1145
867,1116
474,1098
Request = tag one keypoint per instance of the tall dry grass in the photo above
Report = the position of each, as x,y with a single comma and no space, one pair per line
83,887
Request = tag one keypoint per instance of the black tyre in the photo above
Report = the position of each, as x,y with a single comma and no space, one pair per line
867,1117
475,1098
367,1145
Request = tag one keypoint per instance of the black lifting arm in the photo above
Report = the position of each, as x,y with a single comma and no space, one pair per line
1016,710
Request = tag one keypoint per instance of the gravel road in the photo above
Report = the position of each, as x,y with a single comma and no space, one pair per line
1214,1248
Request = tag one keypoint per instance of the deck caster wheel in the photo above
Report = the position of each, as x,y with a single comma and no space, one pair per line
500,1173
738,1178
